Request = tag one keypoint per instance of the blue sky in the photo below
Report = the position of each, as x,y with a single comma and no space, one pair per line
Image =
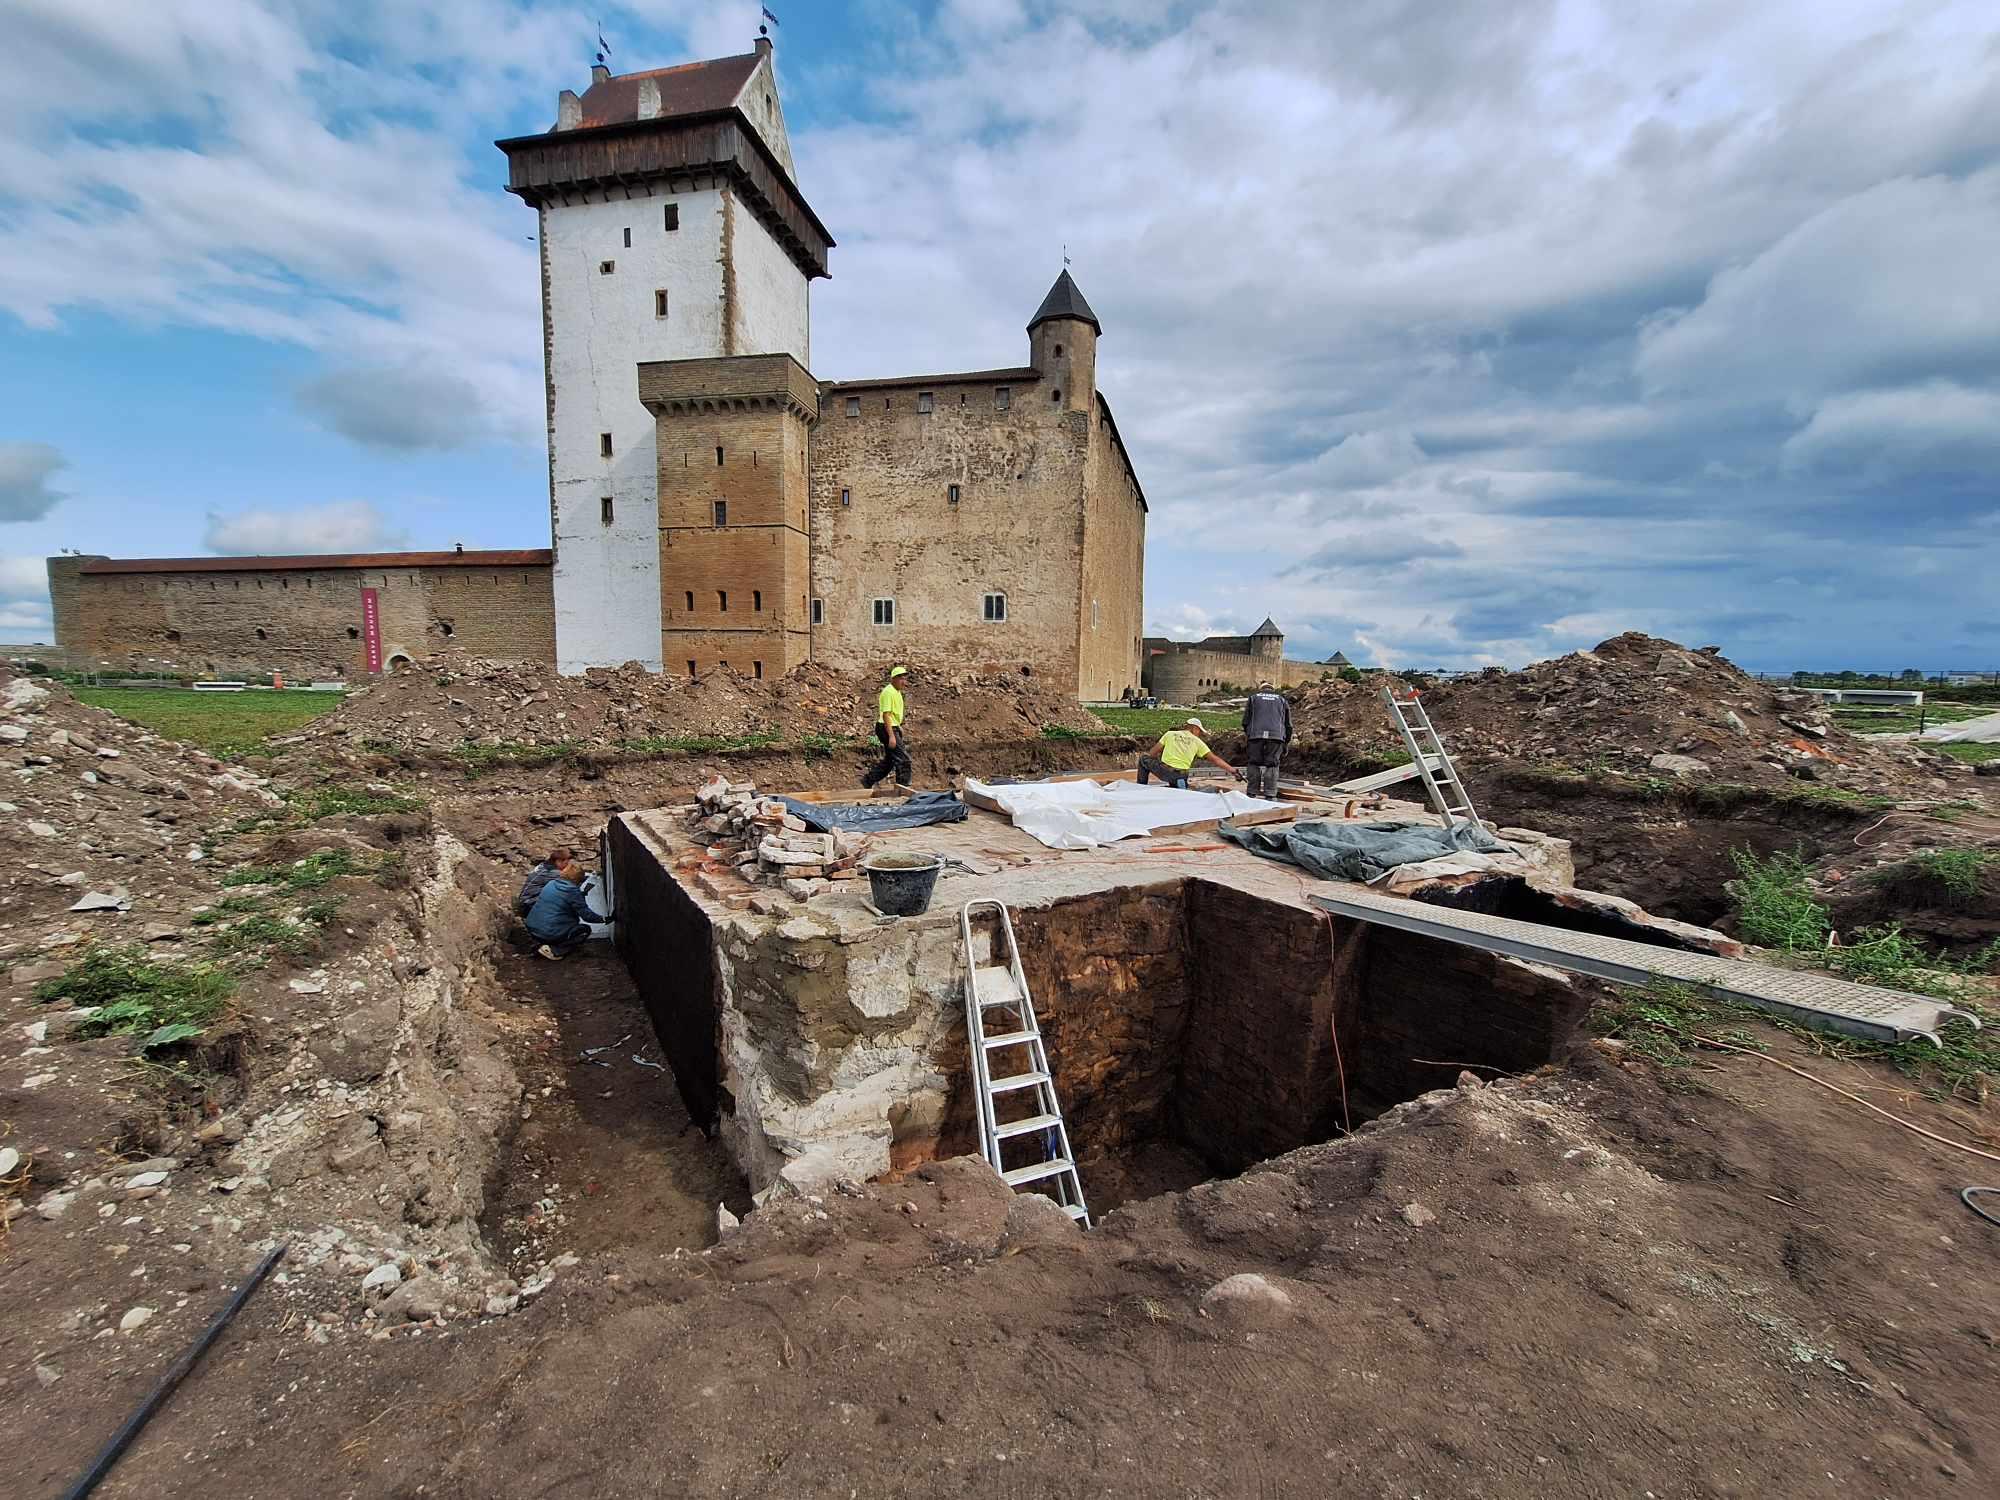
1447,333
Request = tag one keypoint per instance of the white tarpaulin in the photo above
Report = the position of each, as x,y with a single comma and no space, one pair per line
1085,814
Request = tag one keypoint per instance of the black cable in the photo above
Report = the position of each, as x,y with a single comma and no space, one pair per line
134,1424
1965,1197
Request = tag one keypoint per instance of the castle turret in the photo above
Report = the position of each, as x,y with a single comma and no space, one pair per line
1062,344
1267,641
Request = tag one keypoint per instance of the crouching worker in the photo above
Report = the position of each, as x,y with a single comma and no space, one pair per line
560,920
1173,755
540,876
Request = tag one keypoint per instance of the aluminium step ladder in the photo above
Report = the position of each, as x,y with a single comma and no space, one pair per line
1017,1110
1426,746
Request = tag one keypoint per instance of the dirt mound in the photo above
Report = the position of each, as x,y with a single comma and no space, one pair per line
456,699
100,808
1634,704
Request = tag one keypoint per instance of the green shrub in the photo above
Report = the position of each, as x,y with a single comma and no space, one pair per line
308,874
134,992
1773,907
1949,877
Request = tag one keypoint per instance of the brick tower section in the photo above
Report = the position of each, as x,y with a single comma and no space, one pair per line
735,545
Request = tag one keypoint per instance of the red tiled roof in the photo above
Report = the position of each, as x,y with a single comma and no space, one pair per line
532,557
685,89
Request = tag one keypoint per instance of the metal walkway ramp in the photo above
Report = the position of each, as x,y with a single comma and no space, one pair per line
1813,999
1017,1111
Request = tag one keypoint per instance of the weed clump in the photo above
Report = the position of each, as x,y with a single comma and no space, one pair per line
1773,907
133,992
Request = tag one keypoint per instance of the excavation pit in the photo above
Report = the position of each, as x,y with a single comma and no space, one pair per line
1200,1014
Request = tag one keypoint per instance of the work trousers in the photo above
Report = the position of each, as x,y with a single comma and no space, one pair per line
1148,767
895,758
1260,760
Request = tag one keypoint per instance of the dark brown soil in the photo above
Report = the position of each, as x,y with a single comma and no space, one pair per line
1738,1286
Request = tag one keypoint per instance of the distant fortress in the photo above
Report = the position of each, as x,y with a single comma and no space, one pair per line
1181,671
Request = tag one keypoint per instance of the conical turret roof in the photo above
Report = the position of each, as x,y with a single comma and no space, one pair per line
1269,627
1065,301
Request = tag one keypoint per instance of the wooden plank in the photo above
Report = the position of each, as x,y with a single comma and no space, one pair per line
1379,780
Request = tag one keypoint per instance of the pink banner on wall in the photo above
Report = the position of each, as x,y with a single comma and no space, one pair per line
371,628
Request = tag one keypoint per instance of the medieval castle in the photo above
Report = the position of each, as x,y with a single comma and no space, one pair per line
712,503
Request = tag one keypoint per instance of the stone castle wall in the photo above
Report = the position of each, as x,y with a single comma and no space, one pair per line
1184,676
234,617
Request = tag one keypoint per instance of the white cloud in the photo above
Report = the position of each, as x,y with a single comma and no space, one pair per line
1923,428
23,580
338,526
24,480
407,407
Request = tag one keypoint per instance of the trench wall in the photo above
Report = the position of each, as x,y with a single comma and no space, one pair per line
668,945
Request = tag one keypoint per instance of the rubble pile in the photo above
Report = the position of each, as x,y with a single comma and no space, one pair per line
1634,704
102,823
761,842
455,699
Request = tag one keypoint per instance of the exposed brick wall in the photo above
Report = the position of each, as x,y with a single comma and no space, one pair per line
309,619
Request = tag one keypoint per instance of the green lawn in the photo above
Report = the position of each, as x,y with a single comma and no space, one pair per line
1900,720
1157,721
1972,752
224,723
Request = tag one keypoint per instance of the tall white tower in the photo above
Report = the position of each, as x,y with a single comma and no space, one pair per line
670,229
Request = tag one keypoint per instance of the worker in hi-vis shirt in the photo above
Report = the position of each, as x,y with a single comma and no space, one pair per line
1173,755
889,731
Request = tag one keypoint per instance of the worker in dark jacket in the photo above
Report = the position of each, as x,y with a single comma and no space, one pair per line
1267,725
540,876
560,918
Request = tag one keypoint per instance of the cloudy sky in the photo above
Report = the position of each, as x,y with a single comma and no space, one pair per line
1447,332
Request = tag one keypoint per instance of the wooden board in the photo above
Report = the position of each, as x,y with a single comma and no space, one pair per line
851,794
1379,780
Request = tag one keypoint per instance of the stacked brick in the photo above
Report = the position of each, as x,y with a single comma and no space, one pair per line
765,844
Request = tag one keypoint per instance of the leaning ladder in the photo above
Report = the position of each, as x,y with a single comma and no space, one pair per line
1440,777
998,991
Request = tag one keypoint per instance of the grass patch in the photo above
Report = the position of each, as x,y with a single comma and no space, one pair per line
1774,909
1899,720
224,723
308,874
1660,1023
1944,877
223,910
1154,722
263,934
340,802
1972,752
137,993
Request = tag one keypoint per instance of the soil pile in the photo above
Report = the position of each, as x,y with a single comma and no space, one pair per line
456,699
102,823
1634,704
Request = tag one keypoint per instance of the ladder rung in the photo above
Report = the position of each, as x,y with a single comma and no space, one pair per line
1010,1039
1017,1081
1007,1128
996,986
1037,1172
1074,1210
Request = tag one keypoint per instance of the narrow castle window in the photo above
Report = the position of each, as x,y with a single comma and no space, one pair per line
660,303
757,600
854,406
722,600
1058,351
1003,397
757,667
951,493
722,512
260,634
1055,398
606,267
994,609
604,510
628,239
604,445
672,221
690,659
718,458
847,497
924,401
690,595
885,611
819,612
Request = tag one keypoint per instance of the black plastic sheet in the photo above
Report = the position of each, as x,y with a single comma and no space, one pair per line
921,811
1360,851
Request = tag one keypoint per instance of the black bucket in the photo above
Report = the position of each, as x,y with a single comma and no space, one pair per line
901,884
